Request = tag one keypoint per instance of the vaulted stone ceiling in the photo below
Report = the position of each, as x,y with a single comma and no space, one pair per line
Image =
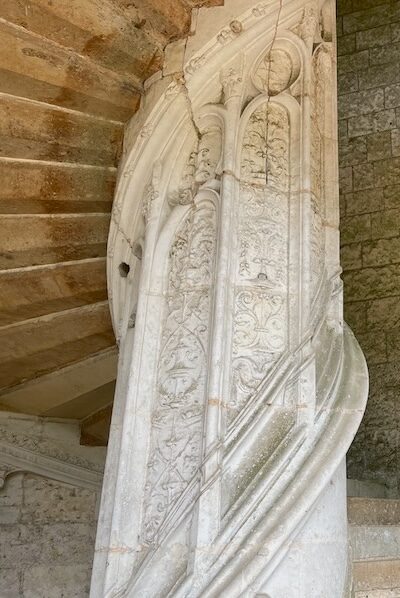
71,76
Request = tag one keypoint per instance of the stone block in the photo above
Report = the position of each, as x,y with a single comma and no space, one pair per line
382,411
367,19
379,36
383,313
356,228
385,224
365,4
11,494
71,581
386,172
67,543
395,141
347,44
378,76
374,542
393,344
339,26
363,102
342,205
9,583
351,256
385,376
363,177
353,62
394,593
346,179
392,96
372,283
364,202
379,146
355,314
374,346
48,501
9,515
347,82
375,122
381,451
383,55
344,7
342,130
391,196
395,27
354,151
16,551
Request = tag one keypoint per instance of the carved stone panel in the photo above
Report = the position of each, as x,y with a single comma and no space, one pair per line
321,75
261,302
178,410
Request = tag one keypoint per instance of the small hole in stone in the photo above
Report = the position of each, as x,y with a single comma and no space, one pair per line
262,276
124,269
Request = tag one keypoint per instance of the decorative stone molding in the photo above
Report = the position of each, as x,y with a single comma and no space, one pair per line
240,388
27,446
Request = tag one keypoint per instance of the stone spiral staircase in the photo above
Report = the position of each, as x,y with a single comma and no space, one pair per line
71,75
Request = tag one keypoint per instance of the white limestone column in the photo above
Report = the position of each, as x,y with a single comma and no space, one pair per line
240,389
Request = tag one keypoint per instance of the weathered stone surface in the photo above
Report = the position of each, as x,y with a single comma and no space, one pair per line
371,283
356,228
371,123
353,152
49,581
364,202
379,146
351,256
381,252
374,346
367,19
353,61
379,36
363,102
363,177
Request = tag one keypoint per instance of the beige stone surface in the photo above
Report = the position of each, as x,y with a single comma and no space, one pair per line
47,533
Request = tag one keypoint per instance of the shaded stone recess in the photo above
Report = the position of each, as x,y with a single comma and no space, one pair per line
47,532
369,149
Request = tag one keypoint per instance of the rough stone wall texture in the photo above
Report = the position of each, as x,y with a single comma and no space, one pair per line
47,532
369,150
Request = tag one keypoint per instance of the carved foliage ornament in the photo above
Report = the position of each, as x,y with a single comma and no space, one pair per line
261,300
179,405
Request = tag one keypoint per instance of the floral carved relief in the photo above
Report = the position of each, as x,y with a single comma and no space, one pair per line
177,418
321,72
261,303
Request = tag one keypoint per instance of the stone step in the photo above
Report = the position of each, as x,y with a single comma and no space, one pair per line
372,542
38,131
46,183
377,579
373,511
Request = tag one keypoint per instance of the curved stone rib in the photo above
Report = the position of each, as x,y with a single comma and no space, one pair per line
319,465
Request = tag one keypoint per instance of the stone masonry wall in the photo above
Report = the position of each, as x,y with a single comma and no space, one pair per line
369,151
47,532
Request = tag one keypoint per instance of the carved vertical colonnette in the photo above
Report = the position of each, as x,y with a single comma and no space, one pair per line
243,392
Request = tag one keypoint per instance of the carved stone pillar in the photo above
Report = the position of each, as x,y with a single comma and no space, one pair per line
239,387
